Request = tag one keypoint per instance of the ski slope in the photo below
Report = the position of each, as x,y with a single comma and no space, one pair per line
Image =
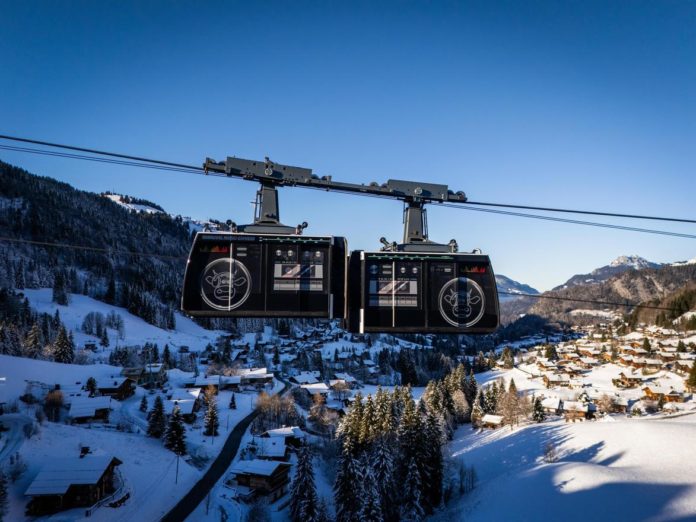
616,469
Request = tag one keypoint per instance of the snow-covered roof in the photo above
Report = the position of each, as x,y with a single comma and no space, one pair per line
57,475
576,406
551,403
81,407
110,382
185,394
262,467
185,406
492,419
272,447
305,378
318,387
288,431
212,380
345,377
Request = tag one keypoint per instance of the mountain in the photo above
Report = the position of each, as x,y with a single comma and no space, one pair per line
618,266
505,284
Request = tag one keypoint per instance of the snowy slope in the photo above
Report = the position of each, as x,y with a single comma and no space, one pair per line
622,470
120,200
137,331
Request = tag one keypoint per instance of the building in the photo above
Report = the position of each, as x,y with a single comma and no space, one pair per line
491,421
272,448
66,483
576,410
119,388
154,375
88,409
135,374
657,393
293,435
260,478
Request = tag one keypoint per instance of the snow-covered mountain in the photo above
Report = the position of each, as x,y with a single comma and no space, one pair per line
684,263
618,266
510,286
134,204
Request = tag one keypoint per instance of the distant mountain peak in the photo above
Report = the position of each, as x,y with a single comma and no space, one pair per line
633,261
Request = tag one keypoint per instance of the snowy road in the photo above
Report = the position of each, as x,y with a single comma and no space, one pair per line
11,441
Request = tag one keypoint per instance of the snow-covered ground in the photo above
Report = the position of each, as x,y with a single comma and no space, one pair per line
616,469
136,330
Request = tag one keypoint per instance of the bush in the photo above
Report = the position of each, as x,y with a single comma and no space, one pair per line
550,452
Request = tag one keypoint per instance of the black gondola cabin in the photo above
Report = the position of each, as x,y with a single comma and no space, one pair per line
421,292
259,275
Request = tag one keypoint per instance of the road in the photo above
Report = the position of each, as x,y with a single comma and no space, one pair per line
217,469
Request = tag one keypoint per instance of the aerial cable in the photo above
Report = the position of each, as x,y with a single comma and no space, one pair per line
588,301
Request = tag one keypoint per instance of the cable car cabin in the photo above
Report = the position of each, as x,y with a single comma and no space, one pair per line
265,275
421,292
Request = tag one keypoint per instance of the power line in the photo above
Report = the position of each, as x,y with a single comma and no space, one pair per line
589,301
198,169
89,248
572,221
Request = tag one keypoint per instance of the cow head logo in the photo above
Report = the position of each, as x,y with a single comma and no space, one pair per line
462,302
225,284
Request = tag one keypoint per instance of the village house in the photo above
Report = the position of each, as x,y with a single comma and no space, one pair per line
552,405
154,375
657,393
491,421
293,435
89,409
628,379
304,378
119,388
188,401
319,388
554,379
576,410
66,483
260,478
272,448
135,374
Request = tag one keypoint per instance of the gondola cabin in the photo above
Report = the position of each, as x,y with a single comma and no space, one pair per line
264,275
420,292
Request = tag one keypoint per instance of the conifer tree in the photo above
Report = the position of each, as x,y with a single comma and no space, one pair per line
370,502
33,342
175,436
212,423
167,358
156,423
347,487
383,471
63,350
304,505
434,461
91,386
411,507
646,345
233,402
3,495
477,410
104,341
538,415
143,404
60,292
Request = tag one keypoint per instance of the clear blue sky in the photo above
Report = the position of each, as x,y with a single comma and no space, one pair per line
579,104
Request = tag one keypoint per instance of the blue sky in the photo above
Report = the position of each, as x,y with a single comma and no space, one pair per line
578,104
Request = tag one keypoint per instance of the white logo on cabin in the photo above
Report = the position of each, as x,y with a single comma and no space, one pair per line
225,284
461,302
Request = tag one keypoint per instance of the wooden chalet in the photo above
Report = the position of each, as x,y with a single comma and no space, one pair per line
492,421
657,393
293,435
119,388
576,410
554,379
154,375
66,483
628,380
260,478
135,374
89,409
552,405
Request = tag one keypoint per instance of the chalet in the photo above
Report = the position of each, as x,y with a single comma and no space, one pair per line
87,409
347,378
260,478
304,378
119,388
66,483
683,366
576,410
555,379
154,375
256,377
316,389
188,402
293,435
272,448
653,364
135,374
231,382
628,379
657,393
586,363
203,381
552,405
491,421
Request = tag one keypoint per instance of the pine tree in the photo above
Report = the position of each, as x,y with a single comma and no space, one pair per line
233,402
3,495
347,487
304,505
104,341
60,293
91,386
477,410
110,296
212,422
143,404
539,415
411,508
175,436
691,381
156,423
167,358
33,342
63,350
370,502
434,461
383,471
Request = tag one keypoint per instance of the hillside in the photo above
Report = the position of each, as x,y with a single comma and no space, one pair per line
618,266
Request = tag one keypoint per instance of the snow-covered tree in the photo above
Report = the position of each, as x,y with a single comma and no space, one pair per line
476,410
411,507
175,436
91,386
304,505
212,422
143,404
370,501
156,423
347,487
33,342
538,415
233,402
63,351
